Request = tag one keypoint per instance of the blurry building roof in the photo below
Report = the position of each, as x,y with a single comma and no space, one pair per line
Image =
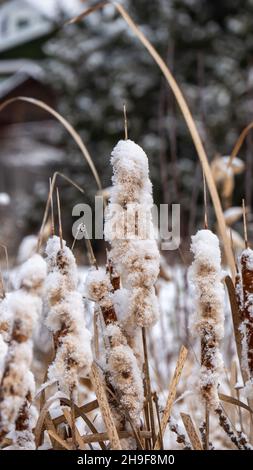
15,72
21,22
9,67
23,145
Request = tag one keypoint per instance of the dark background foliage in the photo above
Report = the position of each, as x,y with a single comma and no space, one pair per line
96,66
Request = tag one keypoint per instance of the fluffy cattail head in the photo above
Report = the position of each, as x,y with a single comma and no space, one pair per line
124,374
6,318
60,259
246,311
98,284
26,310
206,277
66,319
32,274
129,229
130,173
62,273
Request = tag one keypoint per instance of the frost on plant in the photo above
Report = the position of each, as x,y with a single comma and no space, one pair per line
206,276
129,229
66,319
124,373
21,310
122,367
246,326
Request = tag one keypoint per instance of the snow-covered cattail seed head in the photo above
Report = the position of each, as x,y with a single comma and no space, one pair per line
32,274
206,277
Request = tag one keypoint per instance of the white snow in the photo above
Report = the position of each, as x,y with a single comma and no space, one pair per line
27,248
32,273
247,255
4,199
98,284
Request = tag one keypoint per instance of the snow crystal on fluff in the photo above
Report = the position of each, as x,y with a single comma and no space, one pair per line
57,285
6,318
53,246
70,313
120,300
73,359
144,306
247,254
26,308
205,275
30,382
22,440
115,335
206,250
124,373
32,273
130,171
137,262
98,284
61,259
120,222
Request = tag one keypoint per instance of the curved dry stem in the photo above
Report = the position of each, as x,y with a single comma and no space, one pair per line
65,124
186,114
239,143
50,194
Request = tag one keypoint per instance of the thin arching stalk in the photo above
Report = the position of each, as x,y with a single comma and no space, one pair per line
49,202
186,114
65,124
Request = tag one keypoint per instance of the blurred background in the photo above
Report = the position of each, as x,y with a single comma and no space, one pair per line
87,71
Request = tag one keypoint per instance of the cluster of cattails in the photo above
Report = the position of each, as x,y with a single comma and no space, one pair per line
124,293
206,276
66,319
20,311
